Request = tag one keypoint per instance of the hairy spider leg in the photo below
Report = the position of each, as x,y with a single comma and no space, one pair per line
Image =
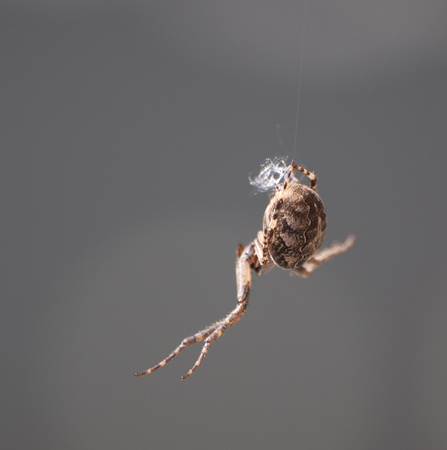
247,260
324,255
311,175
268,231
233,317
200,336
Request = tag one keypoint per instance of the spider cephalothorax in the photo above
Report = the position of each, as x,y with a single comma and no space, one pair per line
294,226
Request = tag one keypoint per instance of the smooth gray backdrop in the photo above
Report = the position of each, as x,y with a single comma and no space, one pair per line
128,132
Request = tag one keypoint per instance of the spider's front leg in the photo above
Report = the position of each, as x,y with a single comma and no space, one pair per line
246,260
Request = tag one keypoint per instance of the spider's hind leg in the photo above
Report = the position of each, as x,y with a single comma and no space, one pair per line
216,334
190,340
246,260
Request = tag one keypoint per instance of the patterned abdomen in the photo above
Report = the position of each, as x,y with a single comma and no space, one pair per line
300,227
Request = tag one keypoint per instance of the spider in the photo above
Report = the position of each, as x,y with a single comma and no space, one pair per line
294,226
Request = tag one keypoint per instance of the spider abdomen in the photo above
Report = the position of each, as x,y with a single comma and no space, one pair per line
300,225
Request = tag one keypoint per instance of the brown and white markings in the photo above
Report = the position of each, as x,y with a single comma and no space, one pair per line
294,227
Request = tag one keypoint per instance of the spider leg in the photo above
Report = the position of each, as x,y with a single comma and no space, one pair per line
204,351
324,255
312,177
190,340
246,260
222,325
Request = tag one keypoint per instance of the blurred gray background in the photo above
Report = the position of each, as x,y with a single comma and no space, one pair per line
128,132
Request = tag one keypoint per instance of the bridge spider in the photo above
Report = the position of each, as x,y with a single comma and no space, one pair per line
294,227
